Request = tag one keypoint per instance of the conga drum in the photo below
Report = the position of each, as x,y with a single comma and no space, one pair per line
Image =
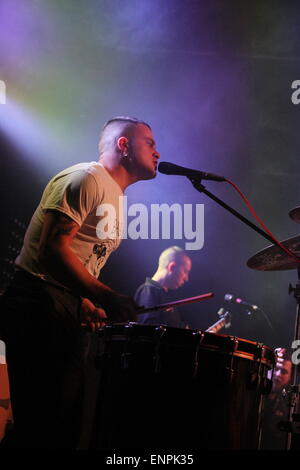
168,388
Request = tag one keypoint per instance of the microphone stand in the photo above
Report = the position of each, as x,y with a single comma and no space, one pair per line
292,426
199,186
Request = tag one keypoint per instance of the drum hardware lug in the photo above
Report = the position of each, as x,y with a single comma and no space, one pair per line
268,381
159,333
268,384
125,356
230,372
200,337
256,380
253,380
234,342
125,360
256,374
101,355
259,348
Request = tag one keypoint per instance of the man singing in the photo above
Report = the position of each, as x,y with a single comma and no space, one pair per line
56,286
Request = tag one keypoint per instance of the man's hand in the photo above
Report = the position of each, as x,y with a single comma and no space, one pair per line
121,308
91,316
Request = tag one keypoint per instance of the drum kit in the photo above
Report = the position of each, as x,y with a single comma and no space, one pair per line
169,388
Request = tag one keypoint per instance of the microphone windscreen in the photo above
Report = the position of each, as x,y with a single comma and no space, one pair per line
164,167
168,168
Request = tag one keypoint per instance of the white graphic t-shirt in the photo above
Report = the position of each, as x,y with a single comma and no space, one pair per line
90,196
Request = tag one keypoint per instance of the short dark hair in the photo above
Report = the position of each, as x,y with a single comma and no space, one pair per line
124,119
173,253
126,123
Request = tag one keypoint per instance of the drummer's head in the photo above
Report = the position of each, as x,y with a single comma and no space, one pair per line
174,266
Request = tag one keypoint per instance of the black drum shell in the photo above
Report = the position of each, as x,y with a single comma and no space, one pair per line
167,388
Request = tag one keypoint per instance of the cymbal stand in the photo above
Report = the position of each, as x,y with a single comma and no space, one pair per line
293,423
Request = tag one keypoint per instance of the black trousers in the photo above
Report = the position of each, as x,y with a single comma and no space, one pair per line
46,351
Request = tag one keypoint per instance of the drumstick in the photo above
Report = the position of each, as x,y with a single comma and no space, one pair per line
176,303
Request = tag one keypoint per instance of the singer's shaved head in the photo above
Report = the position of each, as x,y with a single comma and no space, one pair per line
128,150
120,126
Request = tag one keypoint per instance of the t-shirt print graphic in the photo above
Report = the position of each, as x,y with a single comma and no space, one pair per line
99,250
99,255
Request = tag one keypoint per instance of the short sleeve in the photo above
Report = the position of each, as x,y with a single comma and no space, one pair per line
147,296
75,194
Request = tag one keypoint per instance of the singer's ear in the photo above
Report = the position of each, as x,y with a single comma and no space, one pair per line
122,144
171,266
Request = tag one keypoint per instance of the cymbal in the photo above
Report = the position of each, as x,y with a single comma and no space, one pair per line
273,258
295,214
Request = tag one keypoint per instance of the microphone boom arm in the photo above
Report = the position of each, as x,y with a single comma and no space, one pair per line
199,186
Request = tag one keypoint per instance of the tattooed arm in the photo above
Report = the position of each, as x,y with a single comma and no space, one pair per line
63,265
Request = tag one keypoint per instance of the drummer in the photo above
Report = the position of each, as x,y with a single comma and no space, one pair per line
173,270
56,285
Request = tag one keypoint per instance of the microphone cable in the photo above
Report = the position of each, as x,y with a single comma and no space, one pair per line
250,208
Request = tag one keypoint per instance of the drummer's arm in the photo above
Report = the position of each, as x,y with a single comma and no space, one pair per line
92,316
59,260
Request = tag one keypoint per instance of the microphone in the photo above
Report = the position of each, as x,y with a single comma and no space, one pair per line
168,168
237,300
